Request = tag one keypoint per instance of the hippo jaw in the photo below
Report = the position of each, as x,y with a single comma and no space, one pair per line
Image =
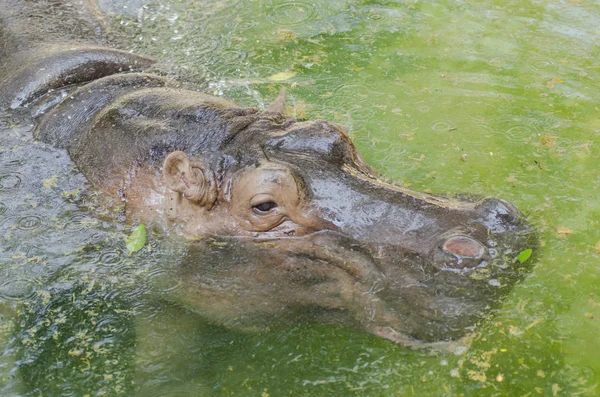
325,276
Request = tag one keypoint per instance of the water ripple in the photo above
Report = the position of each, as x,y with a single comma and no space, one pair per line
519,133
542,64
517,130
16,289
374,15
442,126
10,181
292,13
111,256
29,222
80,222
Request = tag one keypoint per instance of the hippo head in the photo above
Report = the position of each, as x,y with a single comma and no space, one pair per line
332,234
311,227
281,178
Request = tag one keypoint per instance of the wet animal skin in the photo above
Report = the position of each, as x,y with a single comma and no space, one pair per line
318,230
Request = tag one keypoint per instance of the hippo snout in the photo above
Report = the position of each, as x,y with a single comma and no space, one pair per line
464,249
499,215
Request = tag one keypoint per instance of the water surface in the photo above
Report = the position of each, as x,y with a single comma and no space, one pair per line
495,98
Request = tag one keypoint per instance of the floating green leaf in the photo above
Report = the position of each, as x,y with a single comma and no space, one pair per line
282,76
136,240
524,255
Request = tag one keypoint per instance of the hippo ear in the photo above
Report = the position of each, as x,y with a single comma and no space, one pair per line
191,178
278,105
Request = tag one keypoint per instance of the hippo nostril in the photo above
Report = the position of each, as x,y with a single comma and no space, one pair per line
460,252
499,210
464,247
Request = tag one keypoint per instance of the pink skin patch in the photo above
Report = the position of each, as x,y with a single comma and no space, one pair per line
464,247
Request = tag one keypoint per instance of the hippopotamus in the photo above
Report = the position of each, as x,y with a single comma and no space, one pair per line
283,218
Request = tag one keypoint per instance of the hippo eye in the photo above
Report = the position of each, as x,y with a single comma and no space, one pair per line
265,207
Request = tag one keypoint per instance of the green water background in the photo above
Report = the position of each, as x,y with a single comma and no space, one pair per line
496,98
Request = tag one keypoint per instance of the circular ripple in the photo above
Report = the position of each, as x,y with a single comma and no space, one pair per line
542,65
442,126
292,13
9,181
376,16
3,208
112,256
362,114
80,222
519,132
160,280
29,222
16,289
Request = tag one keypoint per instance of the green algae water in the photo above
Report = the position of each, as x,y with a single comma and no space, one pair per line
495,98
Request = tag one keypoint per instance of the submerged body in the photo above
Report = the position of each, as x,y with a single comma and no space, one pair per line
308,229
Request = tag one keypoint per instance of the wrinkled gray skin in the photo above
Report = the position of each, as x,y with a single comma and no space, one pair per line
400,264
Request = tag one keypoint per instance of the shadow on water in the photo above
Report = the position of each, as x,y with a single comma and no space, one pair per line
491,98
